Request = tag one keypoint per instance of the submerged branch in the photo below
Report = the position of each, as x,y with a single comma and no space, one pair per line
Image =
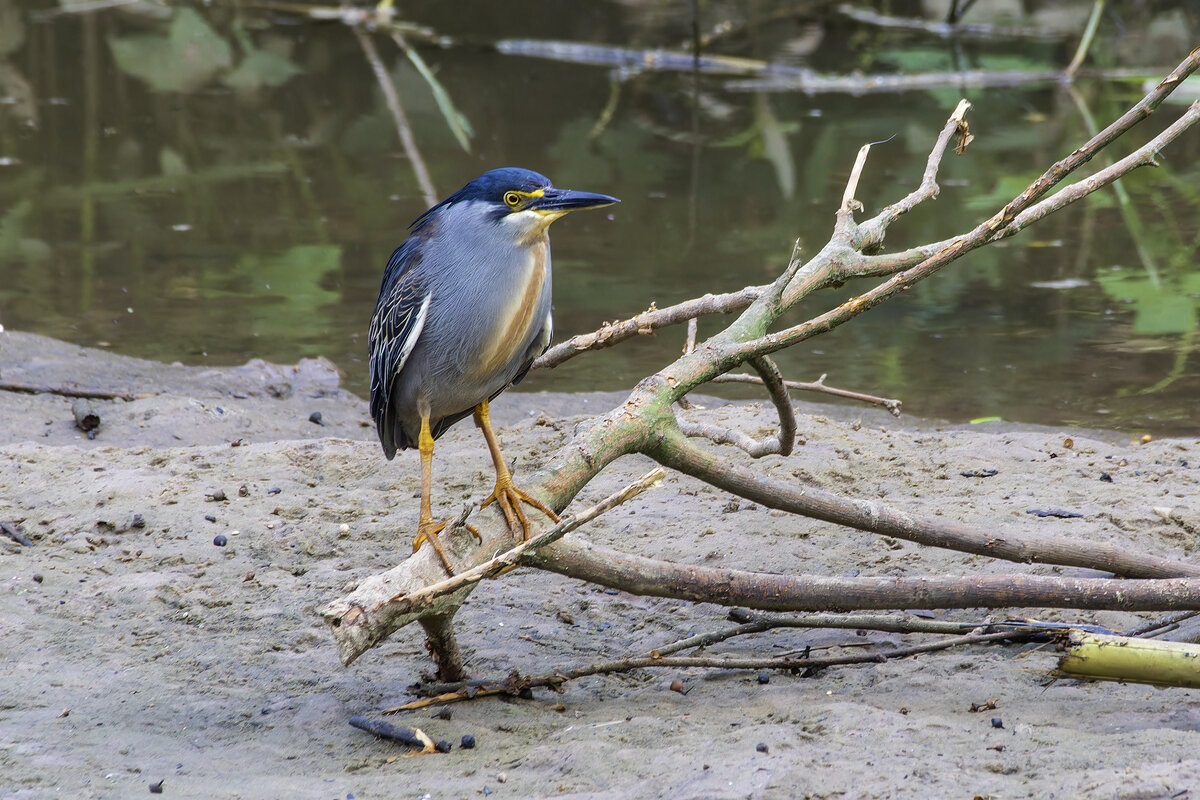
403,129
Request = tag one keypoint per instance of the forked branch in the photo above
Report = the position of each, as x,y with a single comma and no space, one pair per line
646,423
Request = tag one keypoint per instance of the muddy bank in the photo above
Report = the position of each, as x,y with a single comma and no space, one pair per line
136,649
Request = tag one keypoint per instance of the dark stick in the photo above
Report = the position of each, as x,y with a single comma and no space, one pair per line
65,391
409,736
14,533
556,679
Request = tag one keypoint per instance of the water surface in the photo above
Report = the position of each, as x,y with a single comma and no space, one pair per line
210,184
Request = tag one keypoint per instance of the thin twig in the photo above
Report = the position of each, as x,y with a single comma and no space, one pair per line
1085,43
759,623
945,30
892,405
809,664
870,233
1158,625
848,202
1005,222
647,323
392,98
415,601
689,346
781,444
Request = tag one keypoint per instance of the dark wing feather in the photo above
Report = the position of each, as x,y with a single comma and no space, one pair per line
396,324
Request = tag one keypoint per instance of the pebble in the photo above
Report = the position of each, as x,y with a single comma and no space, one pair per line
762,747
37,577
156,788
219,540
315,418
468,742
997,722
764,677
210,518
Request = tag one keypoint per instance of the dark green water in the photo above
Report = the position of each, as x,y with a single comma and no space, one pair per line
218,184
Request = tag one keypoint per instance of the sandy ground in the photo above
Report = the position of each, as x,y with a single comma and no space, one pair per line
136,651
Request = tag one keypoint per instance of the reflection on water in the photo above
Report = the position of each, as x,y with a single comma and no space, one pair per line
210,185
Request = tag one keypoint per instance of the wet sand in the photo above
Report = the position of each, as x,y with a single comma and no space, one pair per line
136,650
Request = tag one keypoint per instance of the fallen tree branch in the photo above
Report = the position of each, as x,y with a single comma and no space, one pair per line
582,560
647,323
416,601
515,684
677,452
760,623
646,423
780,444
987,231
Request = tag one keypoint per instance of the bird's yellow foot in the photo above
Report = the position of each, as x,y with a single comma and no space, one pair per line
509,498
428,530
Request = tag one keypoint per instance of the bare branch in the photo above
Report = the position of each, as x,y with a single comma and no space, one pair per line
443,646
781,444
1143,156
647,323
893,406
70,391
871,232
582,560
945,30
860,161
777,388
392,98
894,623
514,684
678,453
411,602
998,224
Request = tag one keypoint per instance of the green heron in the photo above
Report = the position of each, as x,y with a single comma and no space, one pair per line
463,311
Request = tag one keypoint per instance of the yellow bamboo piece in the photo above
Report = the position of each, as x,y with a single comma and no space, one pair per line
1119,658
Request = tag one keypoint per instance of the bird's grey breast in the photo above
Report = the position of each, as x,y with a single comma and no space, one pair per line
491,300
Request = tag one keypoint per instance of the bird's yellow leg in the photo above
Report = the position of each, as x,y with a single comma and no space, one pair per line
506,494
427,529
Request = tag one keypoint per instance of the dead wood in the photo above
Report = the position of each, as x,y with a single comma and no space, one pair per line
647,423
805,664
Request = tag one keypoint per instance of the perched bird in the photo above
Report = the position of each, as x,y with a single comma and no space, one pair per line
463,311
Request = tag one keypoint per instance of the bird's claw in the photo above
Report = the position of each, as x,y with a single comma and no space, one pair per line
509,498
428,530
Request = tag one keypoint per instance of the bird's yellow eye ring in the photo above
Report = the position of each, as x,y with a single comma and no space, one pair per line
512,199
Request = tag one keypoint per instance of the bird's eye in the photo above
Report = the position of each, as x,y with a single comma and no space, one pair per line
512,199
